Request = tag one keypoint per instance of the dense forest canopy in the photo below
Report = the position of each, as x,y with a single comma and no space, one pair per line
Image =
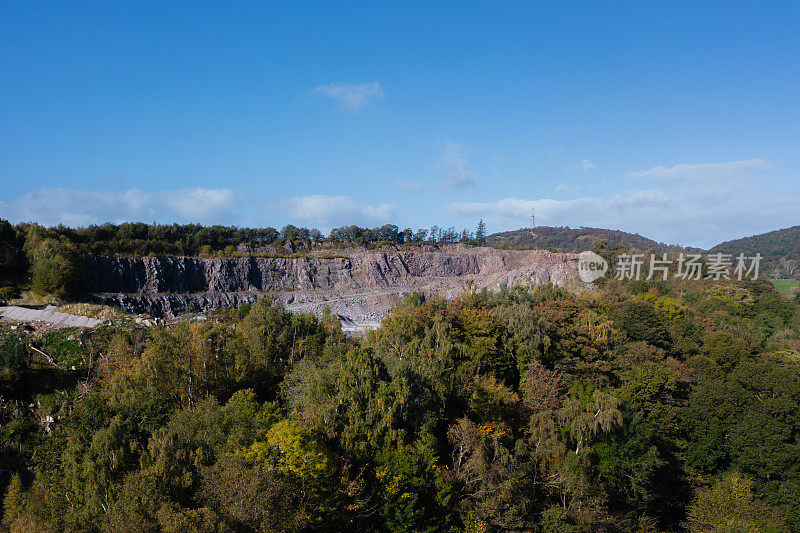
137,238
779,242
641,406
780,248
638,407
564,239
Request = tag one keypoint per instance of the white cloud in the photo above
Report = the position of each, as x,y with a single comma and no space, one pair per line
197,204
652,213
51,206
704,171
588,165
506,208
351,96
330,211
456,166
710,183
197,201
637,199
409,185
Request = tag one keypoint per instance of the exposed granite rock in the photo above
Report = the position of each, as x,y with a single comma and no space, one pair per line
172,305
168,286
191,274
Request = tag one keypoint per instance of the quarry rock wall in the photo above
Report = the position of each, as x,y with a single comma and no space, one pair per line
167,286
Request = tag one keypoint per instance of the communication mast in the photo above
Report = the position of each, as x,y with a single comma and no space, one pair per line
533,215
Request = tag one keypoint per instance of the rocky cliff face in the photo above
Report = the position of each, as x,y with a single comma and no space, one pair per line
192,274
166,286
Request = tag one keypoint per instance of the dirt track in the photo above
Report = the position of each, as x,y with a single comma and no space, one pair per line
48,315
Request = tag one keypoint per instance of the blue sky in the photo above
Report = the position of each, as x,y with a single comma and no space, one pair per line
679,121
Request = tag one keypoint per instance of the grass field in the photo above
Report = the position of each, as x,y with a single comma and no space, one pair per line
786,286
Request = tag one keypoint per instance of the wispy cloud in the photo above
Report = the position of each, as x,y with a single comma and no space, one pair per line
351,97
708,182
653,213
456,166
197,204
329,211
587,165
504,209
409,185
691,204
78,208
704,171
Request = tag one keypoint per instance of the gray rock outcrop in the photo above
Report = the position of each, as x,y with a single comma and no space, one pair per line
167,286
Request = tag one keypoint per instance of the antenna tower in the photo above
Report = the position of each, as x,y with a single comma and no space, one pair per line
533,215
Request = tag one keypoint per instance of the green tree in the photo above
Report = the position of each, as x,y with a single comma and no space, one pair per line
254,496
11,257
639,460
275,340
57,268
13,501
490,475
13,359
413,494
748,421
641,322
480,232
730,505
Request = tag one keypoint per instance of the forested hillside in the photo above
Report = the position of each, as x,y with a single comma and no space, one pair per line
639,407
565,239
780,248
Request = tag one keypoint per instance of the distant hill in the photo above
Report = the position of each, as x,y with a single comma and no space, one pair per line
780,249
565,239
782,242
